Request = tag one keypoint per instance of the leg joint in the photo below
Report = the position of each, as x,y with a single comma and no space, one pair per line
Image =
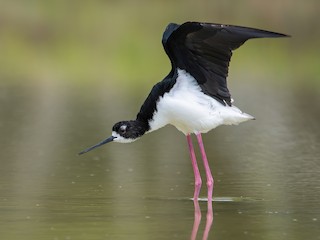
210,182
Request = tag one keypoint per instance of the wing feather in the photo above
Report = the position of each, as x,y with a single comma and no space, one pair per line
204,50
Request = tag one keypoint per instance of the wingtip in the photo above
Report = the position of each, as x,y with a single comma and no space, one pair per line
259,33
282,35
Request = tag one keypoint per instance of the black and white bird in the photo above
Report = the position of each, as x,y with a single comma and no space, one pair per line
194,96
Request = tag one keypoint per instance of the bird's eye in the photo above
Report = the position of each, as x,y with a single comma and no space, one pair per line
123,129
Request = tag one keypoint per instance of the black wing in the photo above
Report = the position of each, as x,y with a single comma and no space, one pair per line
204,50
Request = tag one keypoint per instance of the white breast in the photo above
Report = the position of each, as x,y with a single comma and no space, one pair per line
190,110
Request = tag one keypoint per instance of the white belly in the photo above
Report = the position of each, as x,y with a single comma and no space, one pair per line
191,111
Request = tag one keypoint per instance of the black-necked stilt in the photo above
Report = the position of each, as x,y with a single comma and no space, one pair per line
194,96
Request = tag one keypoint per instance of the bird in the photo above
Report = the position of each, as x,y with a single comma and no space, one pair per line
194,96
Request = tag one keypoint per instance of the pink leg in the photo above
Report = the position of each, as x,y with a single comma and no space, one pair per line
197,177
210,181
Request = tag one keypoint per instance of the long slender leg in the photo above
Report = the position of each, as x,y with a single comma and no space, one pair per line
210,181
197,177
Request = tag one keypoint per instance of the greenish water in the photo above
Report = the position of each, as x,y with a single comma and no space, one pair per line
267,183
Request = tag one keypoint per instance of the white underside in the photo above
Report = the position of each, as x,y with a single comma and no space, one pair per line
191,111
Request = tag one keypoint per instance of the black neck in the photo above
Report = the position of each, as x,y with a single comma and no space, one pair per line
149,106
141,127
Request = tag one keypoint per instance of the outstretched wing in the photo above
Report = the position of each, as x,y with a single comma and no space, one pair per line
204,50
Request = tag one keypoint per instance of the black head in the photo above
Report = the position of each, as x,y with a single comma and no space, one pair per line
128,131
123,132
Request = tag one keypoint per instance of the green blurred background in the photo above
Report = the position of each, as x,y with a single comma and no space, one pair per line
119,42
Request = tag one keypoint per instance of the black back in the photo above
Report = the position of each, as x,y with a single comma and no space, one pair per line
204,50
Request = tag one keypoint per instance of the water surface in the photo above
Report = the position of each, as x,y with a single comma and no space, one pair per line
267,183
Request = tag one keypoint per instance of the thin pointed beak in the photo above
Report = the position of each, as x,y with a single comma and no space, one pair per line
110,139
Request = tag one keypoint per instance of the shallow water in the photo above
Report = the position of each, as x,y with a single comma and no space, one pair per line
267,183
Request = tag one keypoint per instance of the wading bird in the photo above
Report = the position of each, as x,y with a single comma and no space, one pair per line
194,96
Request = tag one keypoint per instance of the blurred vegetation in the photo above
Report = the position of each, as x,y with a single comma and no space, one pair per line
120,41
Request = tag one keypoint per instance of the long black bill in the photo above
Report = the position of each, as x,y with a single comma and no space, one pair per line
110,139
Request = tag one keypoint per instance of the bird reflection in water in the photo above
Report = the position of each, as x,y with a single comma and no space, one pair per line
197,220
